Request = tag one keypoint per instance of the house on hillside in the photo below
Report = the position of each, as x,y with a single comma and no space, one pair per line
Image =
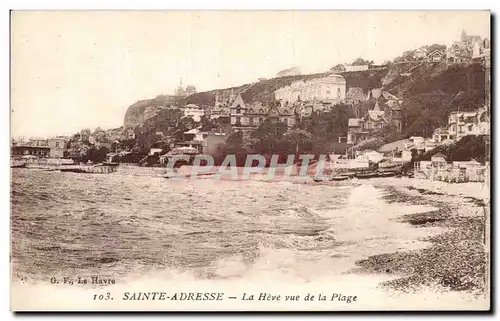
464,123
442,135
364,128
194,111
467,48
331,88
285,113
386,111
437,55
247,116
240,114
222,104
194,138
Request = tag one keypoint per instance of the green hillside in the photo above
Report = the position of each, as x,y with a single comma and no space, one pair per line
429,92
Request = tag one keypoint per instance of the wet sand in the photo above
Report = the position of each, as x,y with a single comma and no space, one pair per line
456,259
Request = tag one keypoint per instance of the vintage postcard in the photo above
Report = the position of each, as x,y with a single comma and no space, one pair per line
250,160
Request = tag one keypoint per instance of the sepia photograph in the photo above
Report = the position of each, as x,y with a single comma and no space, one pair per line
250,160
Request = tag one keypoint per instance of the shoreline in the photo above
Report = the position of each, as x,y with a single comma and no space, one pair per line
456,260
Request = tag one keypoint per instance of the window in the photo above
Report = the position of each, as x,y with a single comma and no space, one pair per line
338,92
57,144
238,110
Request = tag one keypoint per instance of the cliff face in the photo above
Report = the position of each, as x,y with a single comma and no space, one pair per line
142,110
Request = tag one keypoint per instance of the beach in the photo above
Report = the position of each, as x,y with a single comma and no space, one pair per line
394,242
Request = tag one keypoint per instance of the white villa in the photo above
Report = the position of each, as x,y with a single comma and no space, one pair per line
330,88
194,111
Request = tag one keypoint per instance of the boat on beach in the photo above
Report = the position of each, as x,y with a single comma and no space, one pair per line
111,164
330,178
387,174
88,169
339,178
366,175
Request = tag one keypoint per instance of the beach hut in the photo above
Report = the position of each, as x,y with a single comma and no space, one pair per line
474,171
438,160
189,151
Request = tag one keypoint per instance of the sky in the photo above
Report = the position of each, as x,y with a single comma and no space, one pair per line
81,69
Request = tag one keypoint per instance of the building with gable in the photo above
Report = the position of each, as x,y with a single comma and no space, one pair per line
386,111
468,48
437,55
247,116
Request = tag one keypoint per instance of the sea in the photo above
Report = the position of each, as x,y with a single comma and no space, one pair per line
247,236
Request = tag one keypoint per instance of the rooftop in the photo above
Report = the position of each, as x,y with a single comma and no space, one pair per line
354,122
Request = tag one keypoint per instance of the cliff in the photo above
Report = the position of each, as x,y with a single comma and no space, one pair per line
140,111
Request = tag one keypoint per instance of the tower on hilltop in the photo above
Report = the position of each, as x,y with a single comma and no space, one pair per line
463,37
181,91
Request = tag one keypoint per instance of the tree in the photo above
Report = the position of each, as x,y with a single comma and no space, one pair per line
361,62
338,68
390,134
425,112
398,59
235,145
464,150
97,154
435,46
270,128
207,124
297,139
408,55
